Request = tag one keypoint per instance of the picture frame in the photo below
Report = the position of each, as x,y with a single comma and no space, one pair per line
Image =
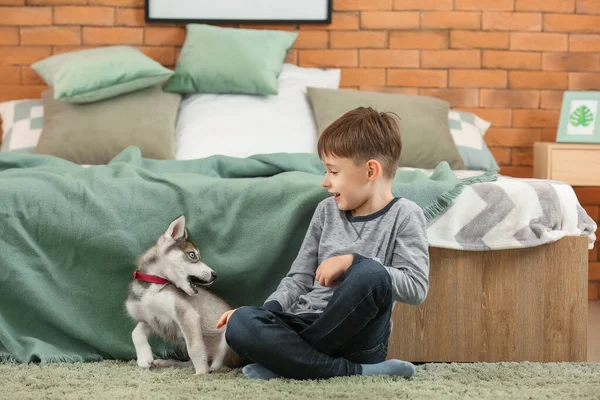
579,117
239,11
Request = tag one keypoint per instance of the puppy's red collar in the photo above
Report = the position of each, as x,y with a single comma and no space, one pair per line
149,278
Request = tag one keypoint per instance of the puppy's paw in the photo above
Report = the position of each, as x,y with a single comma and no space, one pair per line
215,368
202,370
146,363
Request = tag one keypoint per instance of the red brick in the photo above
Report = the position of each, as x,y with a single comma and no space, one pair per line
537,80
498,117
593,254
501,155
118,3
593,290
538,41
584,43
388,58
416,78
362,76
535,118
390,20
546,5
511,21
478,40
592,211
572,23
570,62
509,98
391,89
25,16
55,2
292,57
588,195
516,171
456,97
84,15
451,19
551,99
23,55
594,271
9,75
511,60
419,40
162,54
30,77
328,58
588,7
164,35
451,58
16,92
312,40
419,5
9,36
584,81
548,135
522,156
480,5
339,5
477,78
358,39
346,21
68,49
130,17
52,35
12,2
512,137
113,36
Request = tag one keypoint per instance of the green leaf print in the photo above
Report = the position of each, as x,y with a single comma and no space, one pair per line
581,116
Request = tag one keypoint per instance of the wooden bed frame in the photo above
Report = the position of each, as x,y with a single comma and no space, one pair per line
505,305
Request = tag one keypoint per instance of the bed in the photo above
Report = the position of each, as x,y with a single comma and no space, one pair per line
508,278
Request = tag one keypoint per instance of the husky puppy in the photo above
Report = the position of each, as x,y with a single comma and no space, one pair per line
169,297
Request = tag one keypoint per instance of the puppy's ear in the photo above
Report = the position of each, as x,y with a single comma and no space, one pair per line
176,229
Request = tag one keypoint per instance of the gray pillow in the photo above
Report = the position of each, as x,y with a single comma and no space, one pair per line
426,138
94,133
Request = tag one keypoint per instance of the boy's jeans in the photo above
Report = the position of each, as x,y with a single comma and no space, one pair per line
353,329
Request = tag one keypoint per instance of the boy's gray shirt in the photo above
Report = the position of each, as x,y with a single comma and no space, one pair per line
395,236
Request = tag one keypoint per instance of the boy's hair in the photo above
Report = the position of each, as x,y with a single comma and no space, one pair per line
363,134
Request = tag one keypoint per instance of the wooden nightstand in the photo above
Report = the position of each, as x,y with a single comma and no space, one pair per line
575,164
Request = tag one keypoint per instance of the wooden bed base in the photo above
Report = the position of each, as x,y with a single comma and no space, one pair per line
505,305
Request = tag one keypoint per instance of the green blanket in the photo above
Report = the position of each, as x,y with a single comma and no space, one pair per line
70,237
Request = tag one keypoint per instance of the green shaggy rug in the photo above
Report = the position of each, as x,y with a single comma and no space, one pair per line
123,380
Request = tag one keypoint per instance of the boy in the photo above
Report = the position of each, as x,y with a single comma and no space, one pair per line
364,250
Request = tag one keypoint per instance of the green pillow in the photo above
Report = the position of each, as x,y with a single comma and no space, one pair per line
230,60
90,75
426,138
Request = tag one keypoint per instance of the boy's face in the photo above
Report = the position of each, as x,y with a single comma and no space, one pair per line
347,181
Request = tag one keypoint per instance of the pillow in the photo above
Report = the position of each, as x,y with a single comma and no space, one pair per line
426,138
230,60
95,133
240,125
467,130
90,75
21,124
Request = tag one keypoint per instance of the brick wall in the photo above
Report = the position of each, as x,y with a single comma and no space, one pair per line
507,60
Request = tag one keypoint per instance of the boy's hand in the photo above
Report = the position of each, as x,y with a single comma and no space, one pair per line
225,318
332,268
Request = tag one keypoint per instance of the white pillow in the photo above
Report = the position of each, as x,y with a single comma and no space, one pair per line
240,125
22,122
